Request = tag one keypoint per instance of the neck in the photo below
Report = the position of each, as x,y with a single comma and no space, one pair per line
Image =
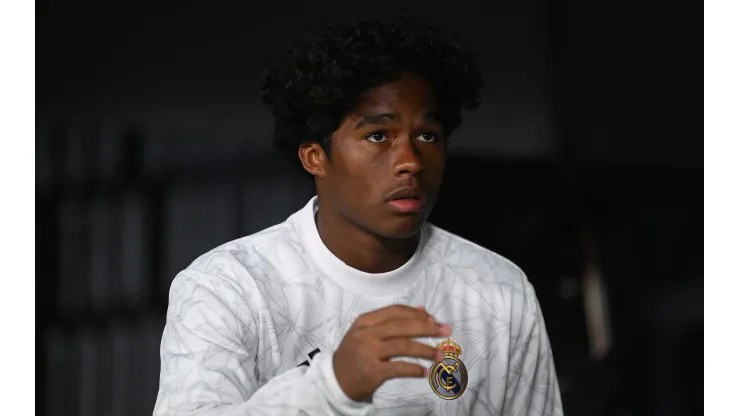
361,249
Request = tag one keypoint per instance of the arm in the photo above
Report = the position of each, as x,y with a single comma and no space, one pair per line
209,361
532,384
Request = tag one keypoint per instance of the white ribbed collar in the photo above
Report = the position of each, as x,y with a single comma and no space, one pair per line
357,281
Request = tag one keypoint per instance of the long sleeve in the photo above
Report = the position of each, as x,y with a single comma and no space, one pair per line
532,384
209,361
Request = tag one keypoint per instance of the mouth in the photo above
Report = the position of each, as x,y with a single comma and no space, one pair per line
407,200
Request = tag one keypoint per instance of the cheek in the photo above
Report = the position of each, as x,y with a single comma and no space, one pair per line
364,165
366,176
435,162
442,166
380,160
356,171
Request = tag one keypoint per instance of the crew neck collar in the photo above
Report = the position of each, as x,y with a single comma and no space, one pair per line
357,281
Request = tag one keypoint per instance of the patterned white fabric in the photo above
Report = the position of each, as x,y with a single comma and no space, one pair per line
242,318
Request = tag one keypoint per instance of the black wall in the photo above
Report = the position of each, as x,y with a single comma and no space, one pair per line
152,147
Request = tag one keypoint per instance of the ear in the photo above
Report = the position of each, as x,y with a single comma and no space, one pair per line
313,159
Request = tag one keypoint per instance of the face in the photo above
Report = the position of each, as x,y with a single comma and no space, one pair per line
387,160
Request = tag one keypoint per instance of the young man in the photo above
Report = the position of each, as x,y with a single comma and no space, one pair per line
355,305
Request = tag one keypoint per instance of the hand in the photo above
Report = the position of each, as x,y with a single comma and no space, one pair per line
362,360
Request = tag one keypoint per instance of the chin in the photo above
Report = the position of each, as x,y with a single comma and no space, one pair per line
405,227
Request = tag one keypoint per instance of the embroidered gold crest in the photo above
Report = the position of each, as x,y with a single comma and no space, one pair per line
449,377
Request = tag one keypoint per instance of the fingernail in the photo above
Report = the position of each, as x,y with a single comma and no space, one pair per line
445,330
440,356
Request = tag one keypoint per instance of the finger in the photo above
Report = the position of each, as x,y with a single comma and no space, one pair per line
408,328
402,369
429,316
401,347
391,312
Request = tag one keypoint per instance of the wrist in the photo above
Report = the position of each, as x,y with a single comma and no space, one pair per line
335,392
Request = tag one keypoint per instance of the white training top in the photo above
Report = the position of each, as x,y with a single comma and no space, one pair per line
243,319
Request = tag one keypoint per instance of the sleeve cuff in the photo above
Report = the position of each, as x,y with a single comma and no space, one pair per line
334,393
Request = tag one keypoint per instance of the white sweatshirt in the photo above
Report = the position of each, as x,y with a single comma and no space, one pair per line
244,318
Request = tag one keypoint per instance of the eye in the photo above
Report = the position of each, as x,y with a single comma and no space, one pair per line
376,137
428,137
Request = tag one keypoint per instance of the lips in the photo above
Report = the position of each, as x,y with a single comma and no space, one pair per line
408,192
407,200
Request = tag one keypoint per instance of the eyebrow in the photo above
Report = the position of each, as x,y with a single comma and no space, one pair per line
433,117
375,119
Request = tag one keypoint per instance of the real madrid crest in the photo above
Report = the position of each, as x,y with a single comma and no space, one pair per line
449,377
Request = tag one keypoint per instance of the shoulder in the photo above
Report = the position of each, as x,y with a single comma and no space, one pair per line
249,251
456,251
231,271
481,266
490,275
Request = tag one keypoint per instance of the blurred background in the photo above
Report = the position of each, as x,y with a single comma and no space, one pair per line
583,166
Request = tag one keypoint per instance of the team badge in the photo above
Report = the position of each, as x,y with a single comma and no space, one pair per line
449,377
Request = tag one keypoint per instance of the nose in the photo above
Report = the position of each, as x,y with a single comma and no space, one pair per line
407,159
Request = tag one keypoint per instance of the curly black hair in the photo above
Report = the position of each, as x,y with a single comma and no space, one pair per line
321,78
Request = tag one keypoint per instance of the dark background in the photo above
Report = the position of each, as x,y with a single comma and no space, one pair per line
152,147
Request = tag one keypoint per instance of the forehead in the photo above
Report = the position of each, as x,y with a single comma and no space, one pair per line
406,94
